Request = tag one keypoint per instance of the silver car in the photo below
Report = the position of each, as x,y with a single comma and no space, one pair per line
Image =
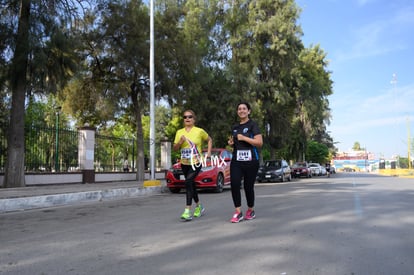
315,169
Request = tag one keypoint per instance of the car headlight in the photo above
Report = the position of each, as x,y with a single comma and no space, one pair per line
207,168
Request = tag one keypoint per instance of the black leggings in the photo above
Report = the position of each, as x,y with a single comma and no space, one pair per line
248,172
190,185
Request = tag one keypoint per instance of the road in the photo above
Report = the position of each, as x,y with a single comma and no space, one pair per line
350,223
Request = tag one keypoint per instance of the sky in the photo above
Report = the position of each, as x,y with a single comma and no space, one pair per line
370,49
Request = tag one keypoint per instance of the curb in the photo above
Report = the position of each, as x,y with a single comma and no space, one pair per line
34,202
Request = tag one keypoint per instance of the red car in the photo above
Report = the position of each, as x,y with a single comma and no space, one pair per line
214,174
301,169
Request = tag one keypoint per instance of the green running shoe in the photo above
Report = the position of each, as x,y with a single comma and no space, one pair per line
199,211
186,215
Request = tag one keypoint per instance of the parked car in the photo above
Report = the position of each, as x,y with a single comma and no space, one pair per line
333,169
348,169
323,171
273,170
315,169
301,169
214,174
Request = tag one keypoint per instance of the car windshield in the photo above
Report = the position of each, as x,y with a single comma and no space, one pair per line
299,165
219,154
213,153
273,164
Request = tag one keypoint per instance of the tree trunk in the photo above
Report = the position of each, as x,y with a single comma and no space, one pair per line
140,136
14,173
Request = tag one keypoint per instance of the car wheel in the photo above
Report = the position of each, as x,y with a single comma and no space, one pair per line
289,177
283,178
220,183
175,190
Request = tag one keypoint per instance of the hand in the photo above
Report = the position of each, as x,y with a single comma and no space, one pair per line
240,137
182,139
230,141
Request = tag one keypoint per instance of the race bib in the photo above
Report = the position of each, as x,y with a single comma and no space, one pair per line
244,155
186,153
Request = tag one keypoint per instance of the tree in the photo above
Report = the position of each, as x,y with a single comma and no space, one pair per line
209,55
37,42
356,146
14,170
116,69
317,152
312,88
268,46
189,63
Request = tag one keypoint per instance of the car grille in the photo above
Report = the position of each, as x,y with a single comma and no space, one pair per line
177,173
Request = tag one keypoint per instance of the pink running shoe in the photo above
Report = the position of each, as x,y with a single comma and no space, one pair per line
250,215
237,217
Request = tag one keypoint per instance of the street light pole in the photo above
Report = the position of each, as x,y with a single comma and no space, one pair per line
394,83
152,104
408,143
152,181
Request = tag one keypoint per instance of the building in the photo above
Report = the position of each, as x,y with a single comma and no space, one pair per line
354,160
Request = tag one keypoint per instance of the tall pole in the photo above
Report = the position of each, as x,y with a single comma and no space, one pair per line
394,83
408,143
152,104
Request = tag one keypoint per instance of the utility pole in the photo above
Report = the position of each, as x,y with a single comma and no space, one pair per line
394,84
408,143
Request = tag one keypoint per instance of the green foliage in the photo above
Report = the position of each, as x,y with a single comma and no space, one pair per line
45,128
356,146
209,56
317,152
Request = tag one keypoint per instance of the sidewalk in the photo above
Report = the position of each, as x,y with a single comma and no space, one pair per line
25,198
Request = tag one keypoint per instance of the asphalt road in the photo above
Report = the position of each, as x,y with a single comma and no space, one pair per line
347,224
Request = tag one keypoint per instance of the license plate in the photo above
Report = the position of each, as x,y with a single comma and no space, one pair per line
297,173
267,176
182,177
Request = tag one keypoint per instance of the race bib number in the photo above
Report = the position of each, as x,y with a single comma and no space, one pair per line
186,153
244,155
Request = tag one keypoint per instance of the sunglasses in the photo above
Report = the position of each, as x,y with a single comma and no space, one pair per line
185,117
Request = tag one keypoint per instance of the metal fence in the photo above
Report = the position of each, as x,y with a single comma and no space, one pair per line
56,150
3,145
111,153
51,150
46,149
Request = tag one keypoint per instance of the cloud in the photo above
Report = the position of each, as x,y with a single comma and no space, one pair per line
379,37
365,2
404,16
392,107
368,41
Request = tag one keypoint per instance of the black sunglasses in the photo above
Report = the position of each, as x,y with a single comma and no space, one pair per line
185,117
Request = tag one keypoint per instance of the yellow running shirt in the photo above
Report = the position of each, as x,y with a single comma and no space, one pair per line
191,148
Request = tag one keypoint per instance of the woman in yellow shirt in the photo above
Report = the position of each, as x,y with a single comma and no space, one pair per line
189,141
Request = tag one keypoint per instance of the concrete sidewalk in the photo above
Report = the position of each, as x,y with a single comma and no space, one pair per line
25,198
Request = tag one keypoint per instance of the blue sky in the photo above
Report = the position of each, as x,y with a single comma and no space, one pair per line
369,43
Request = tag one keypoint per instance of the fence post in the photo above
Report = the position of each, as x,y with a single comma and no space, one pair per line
87,153
165,154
